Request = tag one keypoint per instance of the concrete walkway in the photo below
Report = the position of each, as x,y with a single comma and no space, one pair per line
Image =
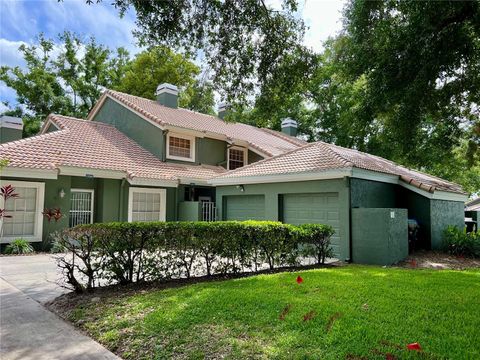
27,329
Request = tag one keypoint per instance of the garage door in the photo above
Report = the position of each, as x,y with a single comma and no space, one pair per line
317,208
245,207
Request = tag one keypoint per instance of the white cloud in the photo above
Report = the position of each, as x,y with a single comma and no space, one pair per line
100,20
9,54
323,19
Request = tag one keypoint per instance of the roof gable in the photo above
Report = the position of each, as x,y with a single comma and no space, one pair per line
91,145
267,142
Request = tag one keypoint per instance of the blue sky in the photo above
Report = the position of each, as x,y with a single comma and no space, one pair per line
22,21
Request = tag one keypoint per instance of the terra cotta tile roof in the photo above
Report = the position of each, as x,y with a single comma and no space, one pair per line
268,142
94,145
320,156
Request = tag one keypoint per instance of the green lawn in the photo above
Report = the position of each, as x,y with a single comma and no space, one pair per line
353,312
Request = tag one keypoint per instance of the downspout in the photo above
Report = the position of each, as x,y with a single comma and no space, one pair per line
349,184
120,208
164,150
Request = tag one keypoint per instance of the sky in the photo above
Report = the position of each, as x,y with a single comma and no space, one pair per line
21,21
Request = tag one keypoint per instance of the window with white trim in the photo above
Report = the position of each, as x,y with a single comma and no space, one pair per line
180,147
145,204
236,157
81,207
25,211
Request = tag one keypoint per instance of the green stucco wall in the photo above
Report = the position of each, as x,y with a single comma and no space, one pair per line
189,211
372,194
274,191
211,151
141,131
253,157
53,200
432,215
8,134
444,213
379,235
110,200
51,128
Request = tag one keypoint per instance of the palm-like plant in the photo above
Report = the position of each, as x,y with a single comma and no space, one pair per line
6,192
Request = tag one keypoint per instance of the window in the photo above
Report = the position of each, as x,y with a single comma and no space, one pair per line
25,210
81,207
146,204
181,147
236,158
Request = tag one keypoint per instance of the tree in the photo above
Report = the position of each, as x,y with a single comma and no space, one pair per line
421,61
64,78
243,42
159,65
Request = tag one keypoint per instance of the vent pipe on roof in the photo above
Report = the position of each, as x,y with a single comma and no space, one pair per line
11,128
289,127
167,95
223,110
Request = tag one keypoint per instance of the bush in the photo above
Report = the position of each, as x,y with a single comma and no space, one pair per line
19,246
134,252
316,239
459,242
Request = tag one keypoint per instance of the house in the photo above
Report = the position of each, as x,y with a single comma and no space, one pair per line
472,214
136,159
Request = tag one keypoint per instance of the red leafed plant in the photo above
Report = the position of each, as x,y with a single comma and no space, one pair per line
54,213
299,280
7,192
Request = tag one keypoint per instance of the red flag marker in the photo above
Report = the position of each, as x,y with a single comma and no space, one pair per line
414,346
299,280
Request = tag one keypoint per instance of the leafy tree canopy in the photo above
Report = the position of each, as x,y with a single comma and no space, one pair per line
243,42
67,77
421,62
161,65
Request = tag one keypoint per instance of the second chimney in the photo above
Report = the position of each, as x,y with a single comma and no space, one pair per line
223,110
289,127
167,95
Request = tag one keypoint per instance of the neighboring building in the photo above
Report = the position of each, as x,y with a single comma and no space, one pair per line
473,205
472,214
144,160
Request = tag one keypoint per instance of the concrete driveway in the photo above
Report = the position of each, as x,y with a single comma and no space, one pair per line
27,329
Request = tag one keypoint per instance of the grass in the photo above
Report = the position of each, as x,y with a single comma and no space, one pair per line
352,312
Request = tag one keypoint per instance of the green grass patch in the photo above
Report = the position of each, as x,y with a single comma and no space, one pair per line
353,312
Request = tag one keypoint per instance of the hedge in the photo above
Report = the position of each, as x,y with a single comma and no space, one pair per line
98,254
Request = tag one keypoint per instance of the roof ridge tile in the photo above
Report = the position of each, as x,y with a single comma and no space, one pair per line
229,172
33,138
285,137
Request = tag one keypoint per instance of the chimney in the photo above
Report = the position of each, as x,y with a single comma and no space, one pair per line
11,129
289,127
223,110
167,95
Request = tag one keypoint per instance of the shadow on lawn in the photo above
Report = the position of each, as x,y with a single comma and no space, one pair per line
72,299
280,319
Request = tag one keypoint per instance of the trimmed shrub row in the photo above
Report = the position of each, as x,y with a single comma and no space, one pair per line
132,252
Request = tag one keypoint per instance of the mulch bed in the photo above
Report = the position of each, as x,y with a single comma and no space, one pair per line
423,259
